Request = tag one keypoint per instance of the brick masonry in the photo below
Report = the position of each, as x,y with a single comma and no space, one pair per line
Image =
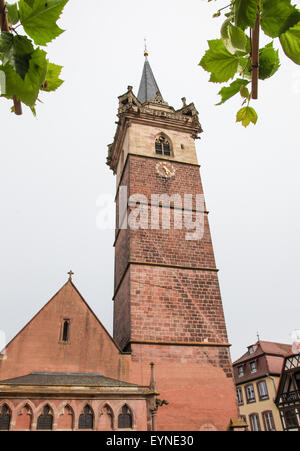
167,303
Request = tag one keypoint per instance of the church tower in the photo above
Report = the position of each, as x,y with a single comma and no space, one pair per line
167,302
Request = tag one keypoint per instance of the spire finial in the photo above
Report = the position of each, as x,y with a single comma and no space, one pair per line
70,275
146,50
258,337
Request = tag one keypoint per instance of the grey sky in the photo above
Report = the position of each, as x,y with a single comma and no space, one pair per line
52,170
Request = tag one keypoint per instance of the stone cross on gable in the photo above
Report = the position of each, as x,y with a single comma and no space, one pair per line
70,275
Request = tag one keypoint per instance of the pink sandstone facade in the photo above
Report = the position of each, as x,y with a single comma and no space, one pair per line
167,302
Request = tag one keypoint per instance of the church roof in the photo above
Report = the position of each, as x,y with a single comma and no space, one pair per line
148,86
81,379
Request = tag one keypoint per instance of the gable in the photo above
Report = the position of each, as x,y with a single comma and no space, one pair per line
39,345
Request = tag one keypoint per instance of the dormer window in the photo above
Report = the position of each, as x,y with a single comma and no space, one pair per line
241,372
162,146
251,350
253,367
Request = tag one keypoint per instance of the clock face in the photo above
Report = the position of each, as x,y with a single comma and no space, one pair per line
165,169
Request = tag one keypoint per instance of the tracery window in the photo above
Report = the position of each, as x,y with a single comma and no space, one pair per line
125,418
5,416
86,419
162,146
45,420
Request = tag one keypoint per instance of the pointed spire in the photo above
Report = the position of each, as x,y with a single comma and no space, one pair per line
148,86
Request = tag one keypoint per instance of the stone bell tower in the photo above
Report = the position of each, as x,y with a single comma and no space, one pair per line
167,301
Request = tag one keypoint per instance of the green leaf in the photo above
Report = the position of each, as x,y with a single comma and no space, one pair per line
278,16
244,91
219,62
269,62
13,13
6,41
39,20
234,37
17,51
27,90
246,115
290,41
229,91
245,13
52,80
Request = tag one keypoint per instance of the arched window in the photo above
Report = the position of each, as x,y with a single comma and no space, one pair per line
45,420
125,418
5,416
162,146
86,419
66,329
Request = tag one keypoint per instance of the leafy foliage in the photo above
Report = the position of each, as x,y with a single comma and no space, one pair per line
233,56
26,67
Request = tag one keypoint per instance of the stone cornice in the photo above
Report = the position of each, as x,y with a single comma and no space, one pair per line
74,391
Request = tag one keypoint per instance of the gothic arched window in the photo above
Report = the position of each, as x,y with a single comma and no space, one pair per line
5,416
125,418
45,420
86,419
162,146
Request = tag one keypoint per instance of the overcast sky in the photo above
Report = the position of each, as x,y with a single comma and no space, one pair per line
52,169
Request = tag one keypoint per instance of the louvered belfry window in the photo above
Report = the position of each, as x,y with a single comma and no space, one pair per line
5,416
125,419
162,146
45,420
86,419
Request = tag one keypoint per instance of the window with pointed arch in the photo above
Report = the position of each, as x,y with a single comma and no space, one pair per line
125,418
162,146
5,417
45,420
86,419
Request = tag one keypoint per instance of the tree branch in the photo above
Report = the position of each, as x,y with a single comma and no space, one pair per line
5,27
255,57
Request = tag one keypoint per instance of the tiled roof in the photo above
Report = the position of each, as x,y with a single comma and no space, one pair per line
266,347
81,379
